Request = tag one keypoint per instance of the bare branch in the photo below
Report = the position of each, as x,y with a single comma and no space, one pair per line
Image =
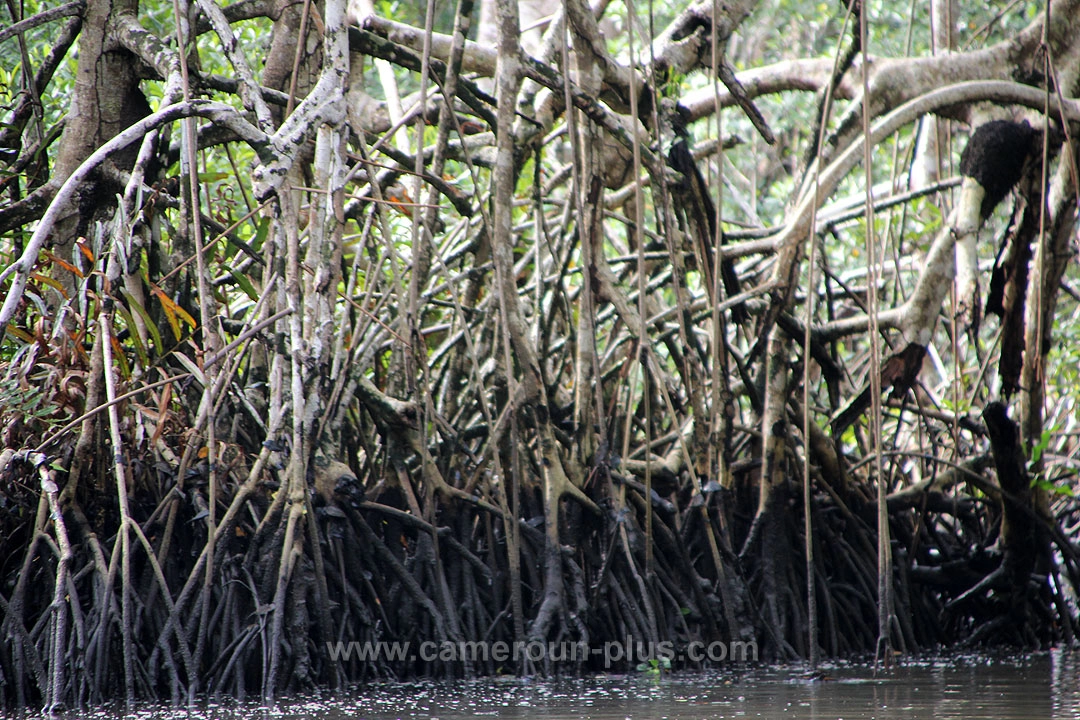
43,17
216,112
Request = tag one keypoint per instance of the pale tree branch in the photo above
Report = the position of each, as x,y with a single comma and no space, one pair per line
248,86
43,17
218,113
797,229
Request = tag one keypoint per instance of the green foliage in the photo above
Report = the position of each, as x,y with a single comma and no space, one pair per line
1040,447
27,402
1039,478
655,666
14,80
1054,488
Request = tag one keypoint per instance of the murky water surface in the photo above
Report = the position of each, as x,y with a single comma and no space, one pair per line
1030,688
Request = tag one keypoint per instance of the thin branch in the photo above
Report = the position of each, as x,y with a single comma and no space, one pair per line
43,17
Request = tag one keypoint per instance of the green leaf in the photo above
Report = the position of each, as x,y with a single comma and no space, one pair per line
261,232
133,333
1040,447
245,285
151,326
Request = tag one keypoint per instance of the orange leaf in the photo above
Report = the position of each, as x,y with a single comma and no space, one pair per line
57,260
20,333
173,312
399,197
84,248
163,408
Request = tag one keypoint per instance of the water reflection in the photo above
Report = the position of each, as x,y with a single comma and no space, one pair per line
1046,685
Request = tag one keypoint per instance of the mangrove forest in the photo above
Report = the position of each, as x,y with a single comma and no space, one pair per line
729,331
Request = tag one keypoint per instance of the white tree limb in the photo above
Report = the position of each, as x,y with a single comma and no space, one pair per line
218,113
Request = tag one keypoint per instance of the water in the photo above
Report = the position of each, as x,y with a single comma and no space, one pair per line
1040,686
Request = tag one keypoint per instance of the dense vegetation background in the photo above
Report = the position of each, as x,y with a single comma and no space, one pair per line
560,322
